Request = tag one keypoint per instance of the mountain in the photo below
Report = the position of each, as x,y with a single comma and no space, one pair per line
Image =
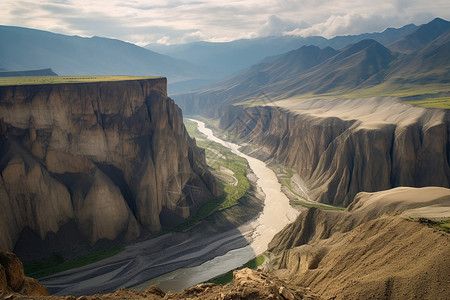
388,36
355,66
227,58
25,49
306,70
187,67
430,64
365,67
421,37
230,57
42,72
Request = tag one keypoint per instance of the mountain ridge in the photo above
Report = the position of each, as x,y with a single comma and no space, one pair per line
230,57
365,67
24,49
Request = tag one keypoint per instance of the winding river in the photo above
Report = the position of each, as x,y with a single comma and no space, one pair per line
276,214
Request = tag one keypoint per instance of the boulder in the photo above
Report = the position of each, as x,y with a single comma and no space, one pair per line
13,269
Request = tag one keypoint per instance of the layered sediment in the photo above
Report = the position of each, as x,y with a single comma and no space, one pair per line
342,147
99,161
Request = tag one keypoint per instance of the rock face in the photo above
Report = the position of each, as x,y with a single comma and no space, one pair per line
342,147
12,278
101,160
372,250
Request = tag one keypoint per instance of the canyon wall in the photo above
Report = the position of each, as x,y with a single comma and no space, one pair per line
342,147
95,161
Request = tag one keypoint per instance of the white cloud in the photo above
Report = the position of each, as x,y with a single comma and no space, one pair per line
276,26
177,21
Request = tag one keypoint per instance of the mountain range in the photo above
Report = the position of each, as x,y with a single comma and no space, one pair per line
187,66
366,68
230,57
28,49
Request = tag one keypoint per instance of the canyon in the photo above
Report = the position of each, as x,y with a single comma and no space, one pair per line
85,164
344,146
95,164
383,246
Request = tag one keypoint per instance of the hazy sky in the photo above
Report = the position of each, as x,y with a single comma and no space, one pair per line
180,21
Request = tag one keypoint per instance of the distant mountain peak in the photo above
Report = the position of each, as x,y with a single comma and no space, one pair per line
422,36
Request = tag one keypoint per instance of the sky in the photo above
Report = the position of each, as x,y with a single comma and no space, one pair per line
181,21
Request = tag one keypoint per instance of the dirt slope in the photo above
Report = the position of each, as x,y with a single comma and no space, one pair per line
373,250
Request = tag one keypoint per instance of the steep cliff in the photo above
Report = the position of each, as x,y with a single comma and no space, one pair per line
342,147
99,160
373,250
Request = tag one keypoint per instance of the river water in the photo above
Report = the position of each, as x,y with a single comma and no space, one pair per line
276,214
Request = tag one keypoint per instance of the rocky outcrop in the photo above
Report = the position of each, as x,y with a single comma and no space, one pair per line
12,278
342,147
248,284
100,160
373,250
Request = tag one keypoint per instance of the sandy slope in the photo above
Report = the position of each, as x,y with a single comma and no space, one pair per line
371,112
373,250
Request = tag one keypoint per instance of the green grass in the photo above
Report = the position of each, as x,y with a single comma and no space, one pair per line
202,213
442,102
228,277
443,225
35,80
285,180
317,205
57,264
428,92
218,156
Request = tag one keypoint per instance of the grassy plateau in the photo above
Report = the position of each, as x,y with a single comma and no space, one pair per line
36,80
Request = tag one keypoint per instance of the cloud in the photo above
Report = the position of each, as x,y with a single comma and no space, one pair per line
351,23
180,21
276,26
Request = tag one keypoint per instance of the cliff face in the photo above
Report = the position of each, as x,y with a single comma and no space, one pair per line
108,157
342,147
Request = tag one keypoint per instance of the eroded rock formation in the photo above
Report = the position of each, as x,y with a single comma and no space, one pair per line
342,147
99,160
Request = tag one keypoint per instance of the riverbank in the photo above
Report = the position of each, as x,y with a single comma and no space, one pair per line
196,255
191,244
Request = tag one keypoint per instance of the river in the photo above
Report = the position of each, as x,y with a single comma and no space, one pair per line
276,214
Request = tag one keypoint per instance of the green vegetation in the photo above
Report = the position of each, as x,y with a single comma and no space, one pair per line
34,80
316,205
228,277
219,157
57,264
443,102
285,177
202,213
443,225
429,94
